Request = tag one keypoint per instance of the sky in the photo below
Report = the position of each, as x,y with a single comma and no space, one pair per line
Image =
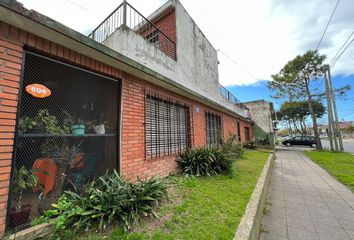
255,39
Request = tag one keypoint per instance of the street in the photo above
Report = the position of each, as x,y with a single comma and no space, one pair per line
348,145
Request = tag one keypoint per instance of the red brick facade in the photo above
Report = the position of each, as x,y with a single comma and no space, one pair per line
133,162
167,25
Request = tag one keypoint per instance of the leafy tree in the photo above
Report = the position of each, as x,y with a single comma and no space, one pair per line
293,82
296,114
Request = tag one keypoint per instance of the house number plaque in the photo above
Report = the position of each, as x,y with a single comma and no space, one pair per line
38,90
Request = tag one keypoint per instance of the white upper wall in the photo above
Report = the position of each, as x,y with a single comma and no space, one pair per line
196,66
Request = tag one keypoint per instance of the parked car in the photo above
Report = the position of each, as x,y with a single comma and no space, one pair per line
300,140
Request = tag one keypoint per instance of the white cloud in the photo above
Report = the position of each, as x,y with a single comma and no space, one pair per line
259,35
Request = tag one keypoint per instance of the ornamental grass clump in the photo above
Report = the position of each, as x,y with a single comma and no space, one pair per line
108,199
211,160
204,161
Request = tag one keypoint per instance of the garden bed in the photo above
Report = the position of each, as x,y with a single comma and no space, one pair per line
339,165
200,208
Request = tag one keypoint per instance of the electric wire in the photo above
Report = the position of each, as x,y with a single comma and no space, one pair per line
329,21
341,48
237,64
334,63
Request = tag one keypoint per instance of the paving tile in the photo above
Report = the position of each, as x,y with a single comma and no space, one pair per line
300,234
300,213
303,224
329,233
272,236
305,202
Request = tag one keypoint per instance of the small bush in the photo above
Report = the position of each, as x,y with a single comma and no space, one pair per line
250,145
205,161
232,147
108,199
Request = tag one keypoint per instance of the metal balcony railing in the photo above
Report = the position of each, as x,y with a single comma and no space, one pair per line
229,96
126,15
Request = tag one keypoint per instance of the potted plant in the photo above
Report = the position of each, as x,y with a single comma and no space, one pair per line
73,125
43,122
23,179
63,153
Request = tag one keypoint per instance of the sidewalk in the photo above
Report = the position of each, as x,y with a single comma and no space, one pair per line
305,202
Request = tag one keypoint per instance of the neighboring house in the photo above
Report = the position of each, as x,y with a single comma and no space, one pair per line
263,115
345,125
129,97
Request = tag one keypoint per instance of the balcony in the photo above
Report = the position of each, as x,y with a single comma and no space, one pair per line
230,97
126,16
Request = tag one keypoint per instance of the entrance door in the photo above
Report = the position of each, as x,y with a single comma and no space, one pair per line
66,134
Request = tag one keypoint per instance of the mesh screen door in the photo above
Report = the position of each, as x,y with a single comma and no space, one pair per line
66,135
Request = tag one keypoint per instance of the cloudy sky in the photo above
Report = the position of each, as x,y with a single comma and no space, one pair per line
255,38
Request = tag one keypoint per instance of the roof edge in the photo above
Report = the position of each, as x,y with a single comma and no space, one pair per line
130,66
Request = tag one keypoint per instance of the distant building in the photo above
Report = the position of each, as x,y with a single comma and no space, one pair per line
263,115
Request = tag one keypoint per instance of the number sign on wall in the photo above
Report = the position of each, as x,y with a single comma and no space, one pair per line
38,90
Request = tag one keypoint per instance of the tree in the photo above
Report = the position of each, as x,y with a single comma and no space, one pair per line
293,82
296,114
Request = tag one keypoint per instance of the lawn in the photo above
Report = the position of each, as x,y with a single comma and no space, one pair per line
204,207
339,165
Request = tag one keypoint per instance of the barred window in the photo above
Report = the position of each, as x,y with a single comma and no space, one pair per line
167,127
213,128
238,131
247,134
153,37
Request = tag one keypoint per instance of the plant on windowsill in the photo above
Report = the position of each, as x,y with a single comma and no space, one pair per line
23,179
43,122
72,124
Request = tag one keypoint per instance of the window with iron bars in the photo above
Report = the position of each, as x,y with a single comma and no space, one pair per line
153,37
167,127
213,128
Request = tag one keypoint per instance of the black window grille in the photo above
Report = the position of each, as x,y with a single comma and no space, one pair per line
153,37
167,125
64,140
213,128
238,131
247,134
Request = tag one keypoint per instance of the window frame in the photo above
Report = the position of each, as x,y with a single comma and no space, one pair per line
176,142
212,138
153,37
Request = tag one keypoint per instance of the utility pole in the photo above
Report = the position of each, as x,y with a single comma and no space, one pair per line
335,111
329,113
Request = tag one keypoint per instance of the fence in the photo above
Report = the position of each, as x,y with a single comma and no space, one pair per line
126,15
229,96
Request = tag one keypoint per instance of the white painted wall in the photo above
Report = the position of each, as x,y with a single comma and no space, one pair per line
197,64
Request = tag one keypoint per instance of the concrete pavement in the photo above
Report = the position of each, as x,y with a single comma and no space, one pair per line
305,202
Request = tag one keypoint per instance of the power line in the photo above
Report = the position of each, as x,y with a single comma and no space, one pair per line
341,48
324,32
77,5
334,63
233,61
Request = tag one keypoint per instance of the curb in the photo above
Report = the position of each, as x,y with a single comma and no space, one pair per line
250,225
31,233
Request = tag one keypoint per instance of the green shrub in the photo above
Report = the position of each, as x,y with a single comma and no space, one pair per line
205,161
250,145
232,147
109,198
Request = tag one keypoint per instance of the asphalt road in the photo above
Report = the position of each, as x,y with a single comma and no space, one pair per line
348,145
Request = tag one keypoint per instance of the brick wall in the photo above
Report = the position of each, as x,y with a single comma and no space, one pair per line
133,132
12,42
133,162
167,25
